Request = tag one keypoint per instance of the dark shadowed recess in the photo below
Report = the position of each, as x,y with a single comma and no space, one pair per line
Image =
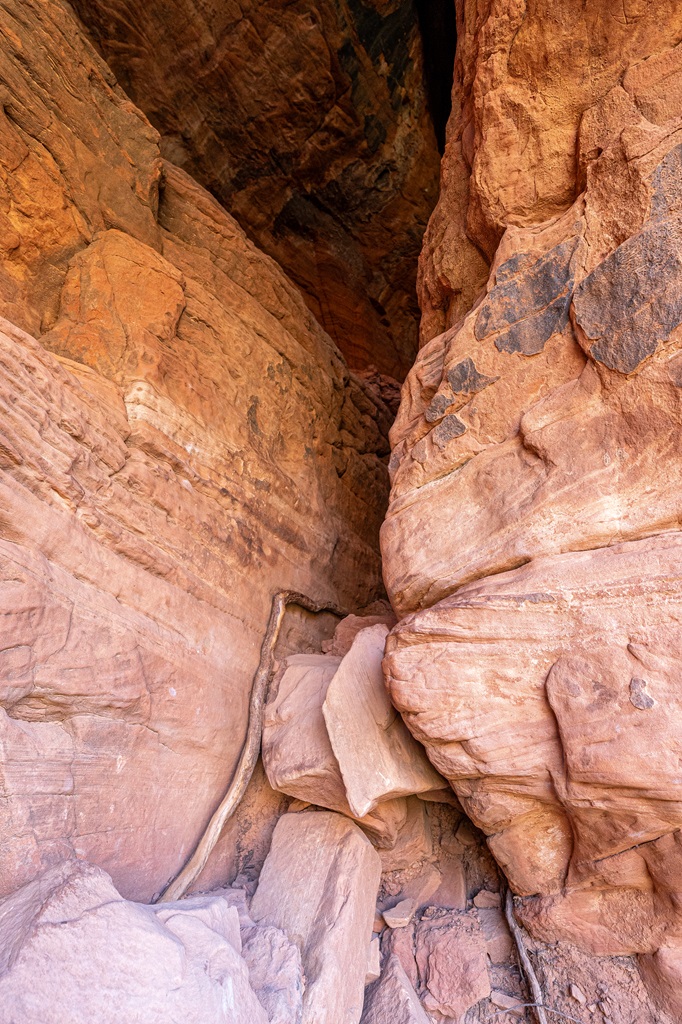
311,124
438,26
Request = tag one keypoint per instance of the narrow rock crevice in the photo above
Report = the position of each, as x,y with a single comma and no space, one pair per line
438,26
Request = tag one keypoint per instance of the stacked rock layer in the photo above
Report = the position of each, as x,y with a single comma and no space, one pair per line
532,546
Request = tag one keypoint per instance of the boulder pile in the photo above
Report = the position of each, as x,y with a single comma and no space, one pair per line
377,902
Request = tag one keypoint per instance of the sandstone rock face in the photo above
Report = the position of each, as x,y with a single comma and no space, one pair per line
377,756
532,545
297,754
526,80
332,738
73,950
181,441
319,886
311,127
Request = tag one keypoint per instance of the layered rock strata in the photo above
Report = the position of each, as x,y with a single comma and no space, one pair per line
532,544
180,439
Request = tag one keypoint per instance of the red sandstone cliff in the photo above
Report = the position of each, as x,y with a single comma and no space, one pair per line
532,543
180,437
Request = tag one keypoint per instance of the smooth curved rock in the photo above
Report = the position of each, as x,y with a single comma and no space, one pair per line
73,950
182,441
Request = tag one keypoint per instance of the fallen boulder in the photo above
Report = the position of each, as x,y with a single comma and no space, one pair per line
319,885
377,756
297,753
392,1000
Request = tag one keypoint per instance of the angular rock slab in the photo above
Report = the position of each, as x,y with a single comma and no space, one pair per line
392,1000
451,957
274,963
319,886
73,951
275,972
298,756
377,756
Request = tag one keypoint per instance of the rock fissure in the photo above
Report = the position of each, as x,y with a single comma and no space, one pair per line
163,478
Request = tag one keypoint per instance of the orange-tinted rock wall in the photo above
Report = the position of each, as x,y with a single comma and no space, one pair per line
532,545
310,124
180,439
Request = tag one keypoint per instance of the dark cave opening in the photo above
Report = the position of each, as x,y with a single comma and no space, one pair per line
438,26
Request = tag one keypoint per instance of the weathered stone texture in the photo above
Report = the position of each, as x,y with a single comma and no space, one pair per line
319,885
532,543
73,951
310,124
527,75
182,441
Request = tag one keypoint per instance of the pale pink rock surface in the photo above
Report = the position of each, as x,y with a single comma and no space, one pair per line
400,915
400,942
156,444
392,999
373,960
544,760
275,972
349,627
73,950
378,757
499,941
274,962
319,886
297,752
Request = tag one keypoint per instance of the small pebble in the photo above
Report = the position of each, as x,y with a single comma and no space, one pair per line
506,1002
400,915
578,994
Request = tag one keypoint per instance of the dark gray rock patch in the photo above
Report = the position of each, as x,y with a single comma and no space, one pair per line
632,302
446,430
639,698
530,301
464,378
666,185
